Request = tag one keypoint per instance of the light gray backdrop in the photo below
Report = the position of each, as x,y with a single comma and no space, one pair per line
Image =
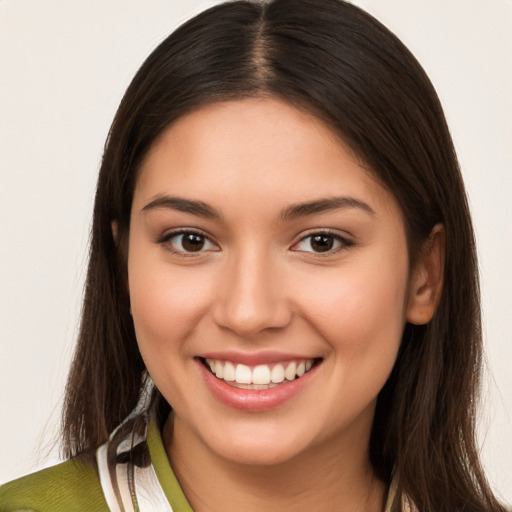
63,69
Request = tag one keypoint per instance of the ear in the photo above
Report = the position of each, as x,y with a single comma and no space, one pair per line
426,282
114,226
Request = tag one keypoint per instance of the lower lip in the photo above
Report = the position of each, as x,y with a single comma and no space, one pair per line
254,400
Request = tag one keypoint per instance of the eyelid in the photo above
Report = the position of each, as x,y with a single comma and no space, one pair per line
344,241
179,231
168,235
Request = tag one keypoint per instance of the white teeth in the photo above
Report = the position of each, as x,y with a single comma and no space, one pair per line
291,371
219,369
243,374
261,375
277,374
229,372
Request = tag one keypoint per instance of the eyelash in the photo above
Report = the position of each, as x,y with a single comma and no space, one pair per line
166,240
343,243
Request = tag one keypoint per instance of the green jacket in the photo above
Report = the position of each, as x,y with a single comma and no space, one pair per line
78,485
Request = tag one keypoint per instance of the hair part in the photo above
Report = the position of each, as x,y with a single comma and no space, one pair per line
339,63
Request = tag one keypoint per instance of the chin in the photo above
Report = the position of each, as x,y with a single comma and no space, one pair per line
258,455
262,447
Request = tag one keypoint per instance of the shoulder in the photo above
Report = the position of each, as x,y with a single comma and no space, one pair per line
72,486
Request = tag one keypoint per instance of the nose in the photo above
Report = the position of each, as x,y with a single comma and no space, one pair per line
251,298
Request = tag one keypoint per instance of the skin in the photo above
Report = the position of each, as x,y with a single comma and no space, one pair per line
259,285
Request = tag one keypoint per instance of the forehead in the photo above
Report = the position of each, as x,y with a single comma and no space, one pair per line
247,150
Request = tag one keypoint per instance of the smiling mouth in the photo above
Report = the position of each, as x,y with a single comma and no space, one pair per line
263,376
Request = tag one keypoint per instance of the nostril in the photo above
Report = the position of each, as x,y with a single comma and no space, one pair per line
249,318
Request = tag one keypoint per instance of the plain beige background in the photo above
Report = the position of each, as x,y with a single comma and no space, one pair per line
64,66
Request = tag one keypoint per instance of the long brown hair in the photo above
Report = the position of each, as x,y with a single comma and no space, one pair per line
338,62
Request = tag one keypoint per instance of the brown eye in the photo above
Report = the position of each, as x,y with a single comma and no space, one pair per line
192,242
322,243
318,243
189,242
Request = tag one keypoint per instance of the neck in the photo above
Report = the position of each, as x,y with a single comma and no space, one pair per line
320,479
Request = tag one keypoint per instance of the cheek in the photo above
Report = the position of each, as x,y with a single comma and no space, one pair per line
165,306
361,309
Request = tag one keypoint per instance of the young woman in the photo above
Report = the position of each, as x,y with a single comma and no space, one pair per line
281,308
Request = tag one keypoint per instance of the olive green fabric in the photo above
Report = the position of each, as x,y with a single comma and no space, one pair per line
164,472
71,486
74,486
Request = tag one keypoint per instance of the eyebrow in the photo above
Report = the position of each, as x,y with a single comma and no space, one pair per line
183,205
293,211
322,205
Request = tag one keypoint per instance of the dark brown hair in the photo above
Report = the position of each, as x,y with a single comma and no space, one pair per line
336,61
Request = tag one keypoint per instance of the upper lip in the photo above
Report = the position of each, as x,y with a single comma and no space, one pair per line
254,358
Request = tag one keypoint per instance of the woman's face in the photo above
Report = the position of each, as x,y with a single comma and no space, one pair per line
261,248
